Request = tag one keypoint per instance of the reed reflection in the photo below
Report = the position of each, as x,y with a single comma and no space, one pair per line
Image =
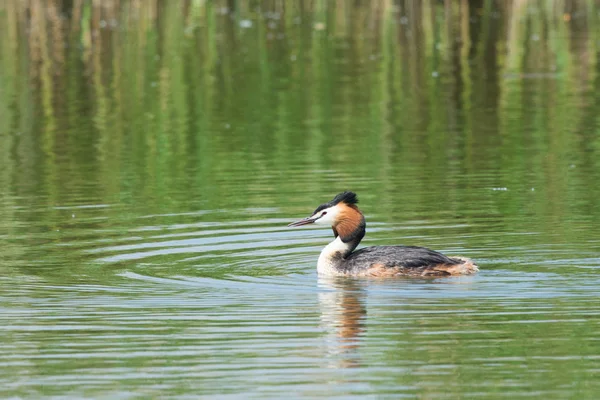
139,97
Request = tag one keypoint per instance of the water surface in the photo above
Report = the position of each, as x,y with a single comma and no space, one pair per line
152,156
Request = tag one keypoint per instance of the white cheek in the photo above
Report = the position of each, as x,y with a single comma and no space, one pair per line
328,218
322,221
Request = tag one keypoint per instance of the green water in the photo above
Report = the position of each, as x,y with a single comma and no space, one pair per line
151,156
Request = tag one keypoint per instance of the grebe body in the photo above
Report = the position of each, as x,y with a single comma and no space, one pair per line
348,224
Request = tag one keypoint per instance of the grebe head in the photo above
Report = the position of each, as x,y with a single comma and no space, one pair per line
341,214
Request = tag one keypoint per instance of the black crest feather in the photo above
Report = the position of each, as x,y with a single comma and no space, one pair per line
344,197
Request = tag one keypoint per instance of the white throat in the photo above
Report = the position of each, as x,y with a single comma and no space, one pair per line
331,257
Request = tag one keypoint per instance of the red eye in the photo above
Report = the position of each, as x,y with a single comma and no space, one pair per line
324,212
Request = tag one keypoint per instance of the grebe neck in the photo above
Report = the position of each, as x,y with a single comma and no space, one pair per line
334,254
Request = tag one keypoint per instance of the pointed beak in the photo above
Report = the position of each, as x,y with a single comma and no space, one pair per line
304,221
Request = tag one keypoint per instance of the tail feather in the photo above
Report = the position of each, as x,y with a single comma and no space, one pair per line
465,267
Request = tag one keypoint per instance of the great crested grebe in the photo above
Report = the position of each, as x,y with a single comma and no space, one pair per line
348,224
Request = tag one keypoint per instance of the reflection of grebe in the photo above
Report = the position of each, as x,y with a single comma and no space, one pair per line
346,303
348,224
343,314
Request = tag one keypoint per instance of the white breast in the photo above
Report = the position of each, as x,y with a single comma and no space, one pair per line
329,260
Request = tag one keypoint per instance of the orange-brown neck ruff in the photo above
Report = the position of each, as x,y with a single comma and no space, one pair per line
350,223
